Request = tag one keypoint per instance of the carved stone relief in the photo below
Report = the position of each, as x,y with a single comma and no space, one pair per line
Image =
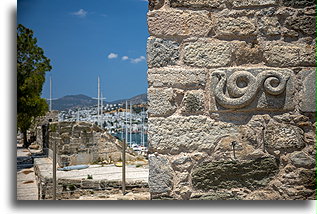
260,88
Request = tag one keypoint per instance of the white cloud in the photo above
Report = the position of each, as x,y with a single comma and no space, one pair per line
112,56
137,60
125,58
80,13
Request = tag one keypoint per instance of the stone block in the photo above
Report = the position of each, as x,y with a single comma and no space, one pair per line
177,134
280,54
162,52
160,175
305,24
161,101
300,159
280,138
155,4
174,23
252,3
177,77
193,102
245,54
201,4
234,27
182,163
251,174
308,93
298,3
208,53
269,26
252,89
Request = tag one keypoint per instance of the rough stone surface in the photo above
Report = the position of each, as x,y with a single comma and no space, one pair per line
175,134
216,195
279,54
304,24
300,159
161,52
251,174
208,53
298,3
246,54
283,137
269,26
308,94
160,177
155,4
193,102
196,3
252,3
177,77
234,27
179,23
161,101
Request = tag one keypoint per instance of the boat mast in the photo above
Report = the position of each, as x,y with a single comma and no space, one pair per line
130,124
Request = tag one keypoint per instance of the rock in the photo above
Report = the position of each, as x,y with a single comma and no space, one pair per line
173,23
201,4
160,177
279,54
193,102
183,163
177,77
234,27
305,24
252,3
175,134
155,4
161,52
283,137
208,53
298,3
264,195
269,26
230,174
161,101
217,195
300,159
308,94
185,192
245,54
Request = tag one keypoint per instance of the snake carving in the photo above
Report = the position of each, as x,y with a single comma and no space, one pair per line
271,81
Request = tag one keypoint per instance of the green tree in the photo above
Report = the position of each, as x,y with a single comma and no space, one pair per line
31,68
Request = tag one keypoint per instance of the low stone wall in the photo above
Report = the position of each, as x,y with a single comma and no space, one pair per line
84,143
232,99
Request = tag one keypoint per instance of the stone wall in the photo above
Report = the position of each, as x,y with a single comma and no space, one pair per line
84,143
232,99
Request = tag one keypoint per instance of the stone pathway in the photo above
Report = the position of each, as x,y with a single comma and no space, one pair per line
26,182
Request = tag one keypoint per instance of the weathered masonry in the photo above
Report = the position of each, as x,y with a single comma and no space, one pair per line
232,99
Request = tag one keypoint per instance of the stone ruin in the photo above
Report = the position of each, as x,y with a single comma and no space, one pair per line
85,143
232,99
77,142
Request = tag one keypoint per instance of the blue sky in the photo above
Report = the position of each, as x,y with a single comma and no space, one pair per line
87,38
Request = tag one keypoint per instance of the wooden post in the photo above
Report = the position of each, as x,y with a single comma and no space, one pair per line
123,167
54,170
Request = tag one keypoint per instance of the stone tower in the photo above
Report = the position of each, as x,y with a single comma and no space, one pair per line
232,99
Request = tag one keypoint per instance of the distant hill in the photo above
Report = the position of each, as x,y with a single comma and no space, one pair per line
80,100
